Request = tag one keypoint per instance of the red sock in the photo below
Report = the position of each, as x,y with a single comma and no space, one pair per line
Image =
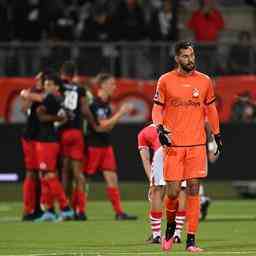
171,208
114,197
180,220
46,199
74,199
58,192
193,212
29,195
79,200
155,222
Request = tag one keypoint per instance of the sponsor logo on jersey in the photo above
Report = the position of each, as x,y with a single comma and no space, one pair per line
195,93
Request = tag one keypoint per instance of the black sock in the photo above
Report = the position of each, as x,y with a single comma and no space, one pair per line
51,210
170,229
65,209
190,239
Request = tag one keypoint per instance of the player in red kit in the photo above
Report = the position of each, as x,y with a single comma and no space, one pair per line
31,184
71,137
48,148
184,98
99,152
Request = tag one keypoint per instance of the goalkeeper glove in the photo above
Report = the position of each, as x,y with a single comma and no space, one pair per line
163,136
219,143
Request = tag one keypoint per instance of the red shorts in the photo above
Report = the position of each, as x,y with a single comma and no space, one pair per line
30,156
99,158
72,144
183,163
47,155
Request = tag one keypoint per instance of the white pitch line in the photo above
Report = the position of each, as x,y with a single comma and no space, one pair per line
131,253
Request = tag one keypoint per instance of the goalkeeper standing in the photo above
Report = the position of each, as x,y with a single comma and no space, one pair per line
184,99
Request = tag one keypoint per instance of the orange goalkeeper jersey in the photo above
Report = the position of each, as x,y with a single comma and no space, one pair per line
184,98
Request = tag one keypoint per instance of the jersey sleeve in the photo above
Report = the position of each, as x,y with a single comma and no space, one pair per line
51,104
159,97
210,96
82,92
98,112
142,141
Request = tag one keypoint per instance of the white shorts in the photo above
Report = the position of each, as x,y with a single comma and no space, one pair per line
157,178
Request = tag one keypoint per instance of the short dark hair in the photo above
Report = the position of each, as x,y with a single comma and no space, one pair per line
102,77
68,68
55,78
182,45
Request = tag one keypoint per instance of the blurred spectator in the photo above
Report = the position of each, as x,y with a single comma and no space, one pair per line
206,24
241,55
163,25
129,21
244,109
129,25
97,28
27,17
63,26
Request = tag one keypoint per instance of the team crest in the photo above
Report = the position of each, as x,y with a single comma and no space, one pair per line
195,93
157,96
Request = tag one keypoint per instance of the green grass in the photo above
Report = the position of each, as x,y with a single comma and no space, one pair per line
130,190
229,230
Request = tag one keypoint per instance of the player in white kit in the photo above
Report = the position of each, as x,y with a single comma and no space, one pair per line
148,141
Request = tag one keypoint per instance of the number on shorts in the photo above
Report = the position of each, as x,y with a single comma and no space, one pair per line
71,100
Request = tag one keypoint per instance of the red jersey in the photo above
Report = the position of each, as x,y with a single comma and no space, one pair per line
206,27
148,138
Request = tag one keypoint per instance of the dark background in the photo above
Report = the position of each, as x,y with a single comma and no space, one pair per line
236,163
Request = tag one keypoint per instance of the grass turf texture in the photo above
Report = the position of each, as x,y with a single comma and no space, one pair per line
229,230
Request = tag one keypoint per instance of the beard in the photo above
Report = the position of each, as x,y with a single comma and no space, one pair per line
188,67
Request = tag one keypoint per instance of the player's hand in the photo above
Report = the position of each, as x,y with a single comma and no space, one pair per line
126,108
163,136
62,114
24,93
219,143
150,193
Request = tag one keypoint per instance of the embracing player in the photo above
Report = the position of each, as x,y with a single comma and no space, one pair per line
71,136
31,184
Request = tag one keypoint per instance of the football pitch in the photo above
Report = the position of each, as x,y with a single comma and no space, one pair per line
230,229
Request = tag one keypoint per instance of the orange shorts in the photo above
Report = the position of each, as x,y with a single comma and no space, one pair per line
182,163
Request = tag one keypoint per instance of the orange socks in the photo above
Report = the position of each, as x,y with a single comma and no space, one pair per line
193,213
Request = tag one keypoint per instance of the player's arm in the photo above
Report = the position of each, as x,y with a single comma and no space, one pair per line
212,116
43,116
88,114
157,113
145,157
25,105
109,123
31,96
